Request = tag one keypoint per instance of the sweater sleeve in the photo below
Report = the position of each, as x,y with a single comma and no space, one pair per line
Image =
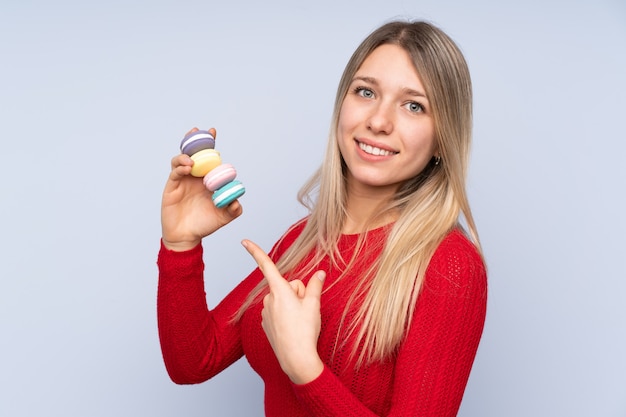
434,361
196,343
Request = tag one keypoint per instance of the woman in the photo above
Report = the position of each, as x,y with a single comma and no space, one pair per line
374,304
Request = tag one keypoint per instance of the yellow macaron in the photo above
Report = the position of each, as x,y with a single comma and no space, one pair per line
204,161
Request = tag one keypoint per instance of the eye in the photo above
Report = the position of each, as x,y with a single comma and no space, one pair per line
364,92
414,107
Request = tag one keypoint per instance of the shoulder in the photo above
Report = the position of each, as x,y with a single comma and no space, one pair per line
457,267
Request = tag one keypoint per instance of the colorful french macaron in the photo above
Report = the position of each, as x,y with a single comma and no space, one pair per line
199,145
219,176
207,163
197,141
204,161
228,193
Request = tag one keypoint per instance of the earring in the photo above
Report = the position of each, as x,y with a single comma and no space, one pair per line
437,159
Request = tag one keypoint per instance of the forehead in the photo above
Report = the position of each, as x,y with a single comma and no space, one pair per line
390,64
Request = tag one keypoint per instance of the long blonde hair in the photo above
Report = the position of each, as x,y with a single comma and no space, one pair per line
429,206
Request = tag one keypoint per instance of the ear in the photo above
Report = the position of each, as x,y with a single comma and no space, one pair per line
437,153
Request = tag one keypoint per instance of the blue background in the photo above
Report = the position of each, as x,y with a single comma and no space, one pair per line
95,96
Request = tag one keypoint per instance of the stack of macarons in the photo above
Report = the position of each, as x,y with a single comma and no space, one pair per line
218,178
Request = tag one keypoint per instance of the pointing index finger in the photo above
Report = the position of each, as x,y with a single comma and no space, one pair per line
266,265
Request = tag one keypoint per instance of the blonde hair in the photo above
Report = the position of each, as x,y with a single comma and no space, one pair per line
429,206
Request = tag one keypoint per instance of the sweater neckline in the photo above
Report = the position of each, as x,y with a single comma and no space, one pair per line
368,233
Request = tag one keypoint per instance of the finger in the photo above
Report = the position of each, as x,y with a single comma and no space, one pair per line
230,212
195,129
266,265
316,284
181,166
212,131
298,288
181,159
234,209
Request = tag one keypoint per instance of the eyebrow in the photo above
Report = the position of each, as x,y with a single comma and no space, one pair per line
405,90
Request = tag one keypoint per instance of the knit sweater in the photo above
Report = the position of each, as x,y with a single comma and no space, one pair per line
426,377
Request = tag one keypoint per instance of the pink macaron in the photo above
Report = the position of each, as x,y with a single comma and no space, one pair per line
219,176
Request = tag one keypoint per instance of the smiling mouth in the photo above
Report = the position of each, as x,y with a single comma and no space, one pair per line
372,150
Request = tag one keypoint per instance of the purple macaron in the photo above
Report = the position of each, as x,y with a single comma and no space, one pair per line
196,141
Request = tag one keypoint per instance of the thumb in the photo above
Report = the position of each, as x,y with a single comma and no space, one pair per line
315,285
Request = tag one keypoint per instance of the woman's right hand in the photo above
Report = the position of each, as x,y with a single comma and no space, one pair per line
187,210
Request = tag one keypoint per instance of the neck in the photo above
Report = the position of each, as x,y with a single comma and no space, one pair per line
364,205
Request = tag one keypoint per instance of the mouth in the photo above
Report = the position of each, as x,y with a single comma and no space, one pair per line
373,150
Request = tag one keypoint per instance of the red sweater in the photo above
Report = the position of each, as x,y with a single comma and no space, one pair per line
426,377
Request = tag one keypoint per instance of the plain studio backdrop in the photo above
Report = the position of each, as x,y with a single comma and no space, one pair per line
95,97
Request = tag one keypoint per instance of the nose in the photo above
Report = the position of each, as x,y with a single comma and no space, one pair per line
380,119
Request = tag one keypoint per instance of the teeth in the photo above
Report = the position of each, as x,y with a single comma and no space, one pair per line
374,151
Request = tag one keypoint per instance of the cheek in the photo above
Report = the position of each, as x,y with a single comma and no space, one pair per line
421,144
348,117
424,138
341,123
344,130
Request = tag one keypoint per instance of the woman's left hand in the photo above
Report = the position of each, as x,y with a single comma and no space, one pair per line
291,318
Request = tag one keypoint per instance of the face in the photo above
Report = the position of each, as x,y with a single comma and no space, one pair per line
385,130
